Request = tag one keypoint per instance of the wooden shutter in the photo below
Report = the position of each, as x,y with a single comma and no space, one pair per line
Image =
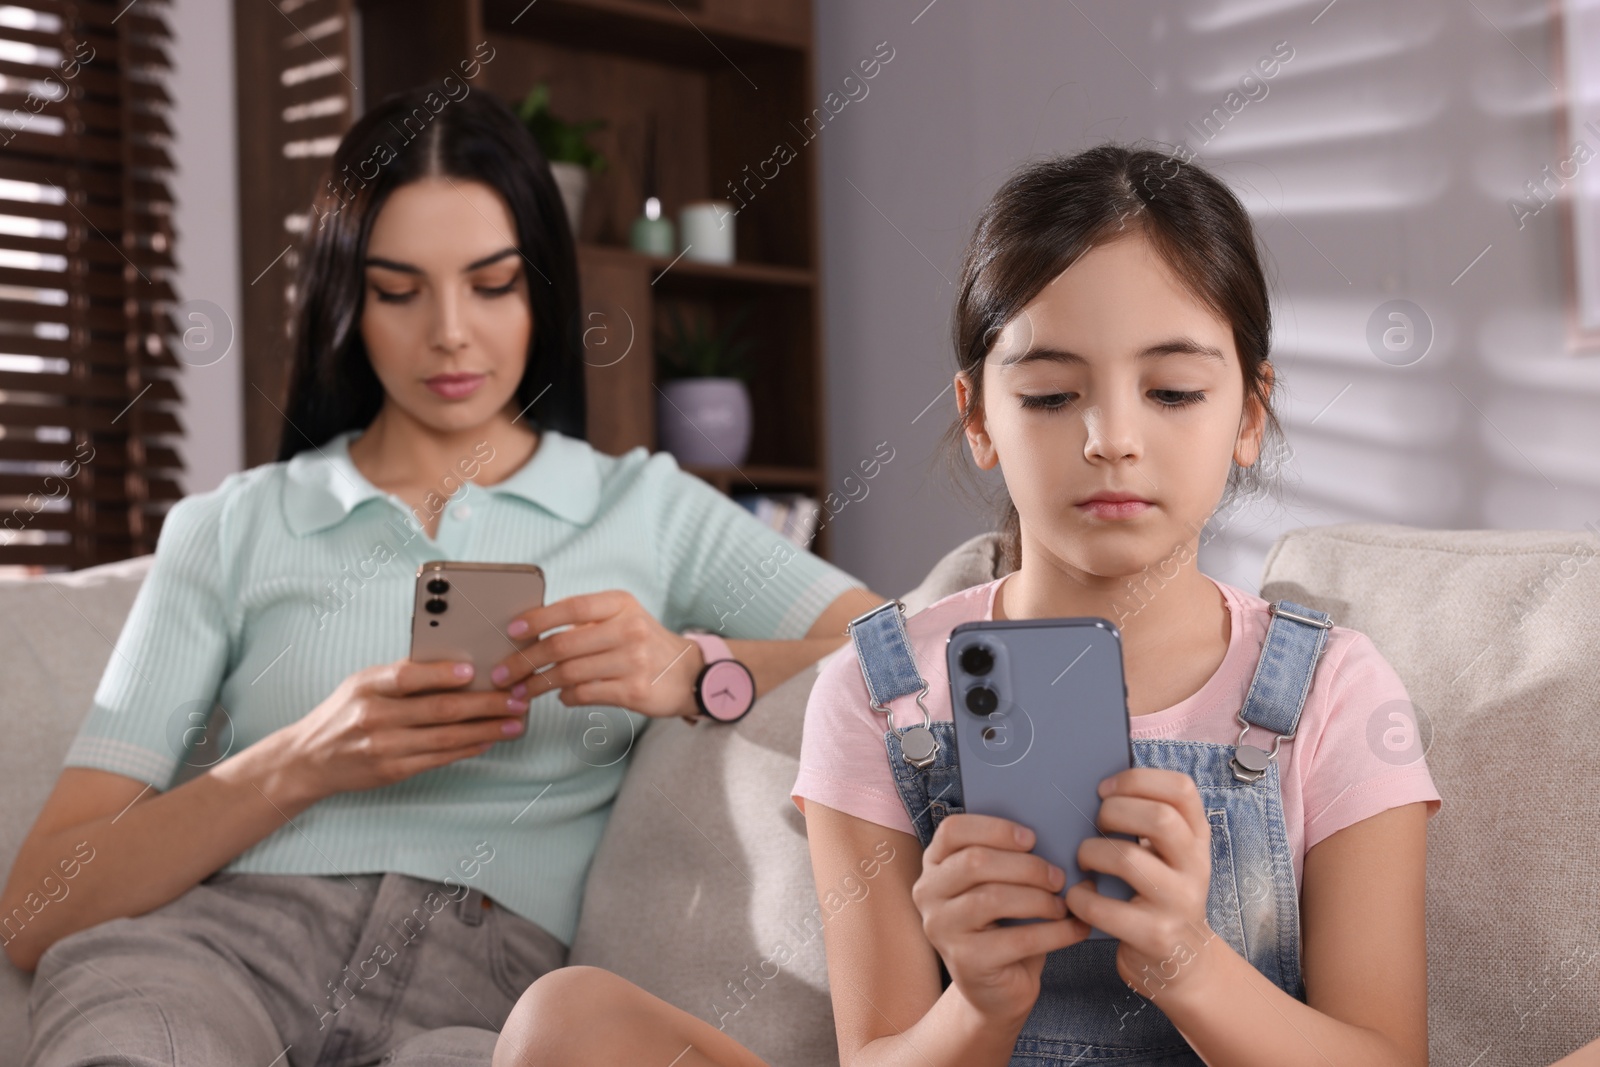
297,97
87,390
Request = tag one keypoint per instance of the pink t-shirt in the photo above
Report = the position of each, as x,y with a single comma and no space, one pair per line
1331,773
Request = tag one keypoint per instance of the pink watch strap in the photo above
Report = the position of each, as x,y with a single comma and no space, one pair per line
712,647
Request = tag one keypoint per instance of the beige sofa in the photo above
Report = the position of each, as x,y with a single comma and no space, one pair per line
702,888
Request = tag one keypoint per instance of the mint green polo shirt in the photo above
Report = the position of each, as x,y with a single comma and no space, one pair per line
268,591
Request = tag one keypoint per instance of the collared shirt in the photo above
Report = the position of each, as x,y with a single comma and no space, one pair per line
270,590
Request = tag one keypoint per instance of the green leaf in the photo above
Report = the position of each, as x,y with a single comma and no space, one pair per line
694,349
560,141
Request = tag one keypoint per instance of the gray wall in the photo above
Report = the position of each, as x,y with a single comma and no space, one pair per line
206,186
1378,166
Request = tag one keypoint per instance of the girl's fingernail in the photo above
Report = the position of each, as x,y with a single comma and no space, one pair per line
1058,877
463,670
511,727
516,706
500,674
517,628
520,689
1023,835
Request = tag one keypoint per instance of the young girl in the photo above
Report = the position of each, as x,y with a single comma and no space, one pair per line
1112,340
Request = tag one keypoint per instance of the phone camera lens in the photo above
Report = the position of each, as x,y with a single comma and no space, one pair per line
981,700
436,606
976,659
438,586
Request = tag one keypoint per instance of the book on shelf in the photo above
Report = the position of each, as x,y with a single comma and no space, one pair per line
794,515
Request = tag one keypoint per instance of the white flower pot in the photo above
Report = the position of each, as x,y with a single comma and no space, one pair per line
573,181
704,422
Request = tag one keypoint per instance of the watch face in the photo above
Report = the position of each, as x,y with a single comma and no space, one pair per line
727,690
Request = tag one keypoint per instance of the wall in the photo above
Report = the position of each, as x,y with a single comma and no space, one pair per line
206,186
1378,166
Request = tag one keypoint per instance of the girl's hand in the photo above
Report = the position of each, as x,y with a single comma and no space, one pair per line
1165,938
978,869
387,723
616,653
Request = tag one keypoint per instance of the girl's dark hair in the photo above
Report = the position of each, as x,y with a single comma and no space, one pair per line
1051,211
332,386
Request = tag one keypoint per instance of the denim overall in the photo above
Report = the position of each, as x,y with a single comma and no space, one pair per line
1086,1013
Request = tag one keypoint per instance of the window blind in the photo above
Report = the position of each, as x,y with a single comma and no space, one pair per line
87,367
297,97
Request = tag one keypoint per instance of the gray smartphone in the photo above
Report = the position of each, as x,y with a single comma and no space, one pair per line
1041,716
461,612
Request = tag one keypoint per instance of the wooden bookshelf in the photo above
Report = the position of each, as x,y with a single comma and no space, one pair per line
726,81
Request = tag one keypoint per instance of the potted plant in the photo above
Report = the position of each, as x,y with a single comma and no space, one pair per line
566,146
703,409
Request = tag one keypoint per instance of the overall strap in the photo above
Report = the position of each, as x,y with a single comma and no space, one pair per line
1296,636
884,652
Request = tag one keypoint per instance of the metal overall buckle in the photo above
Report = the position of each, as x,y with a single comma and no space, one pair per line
918,747
1249,763
1274,609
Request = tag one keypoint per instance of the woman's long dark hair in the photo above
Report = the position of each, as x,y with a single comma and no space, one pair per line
1051,211
332,386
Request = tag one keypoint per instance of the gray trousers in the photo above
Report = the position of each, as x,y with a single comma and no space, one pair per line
263,970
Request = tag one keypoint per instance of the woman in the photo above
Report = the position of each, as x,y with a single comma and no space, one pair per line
384,860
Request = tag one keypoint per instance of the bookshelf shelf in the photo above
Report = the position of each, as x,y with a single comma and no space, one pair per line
754,479
673,271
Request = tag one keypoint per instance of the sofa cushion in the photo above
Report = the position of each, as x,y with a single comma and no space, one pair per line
1496,635
701,890
58,631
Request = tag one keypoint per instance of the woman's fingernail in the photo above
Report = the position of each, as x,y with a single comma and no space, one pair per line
1058,877
520,689
1023,835
463,670
517,628
500,674
516,706
511,727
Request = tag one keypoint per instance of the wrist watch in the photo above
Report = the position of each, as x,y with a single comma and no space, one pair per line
725,690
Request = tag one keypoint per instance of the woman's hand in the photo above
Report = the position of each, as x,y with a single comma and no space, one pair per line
615,653
385,724
978,869
1165,938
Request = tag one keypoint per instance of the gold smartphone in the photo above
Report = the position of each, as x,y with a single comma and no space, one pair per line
461,612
